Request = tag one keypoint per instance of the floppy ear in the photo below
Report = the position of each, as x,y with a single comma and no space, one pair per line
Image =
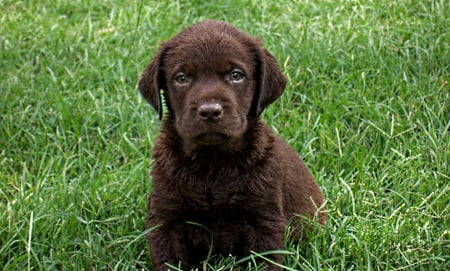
271,82
152,81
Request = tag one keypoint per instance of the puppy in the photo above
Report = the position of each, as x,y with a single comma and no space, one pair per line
223,182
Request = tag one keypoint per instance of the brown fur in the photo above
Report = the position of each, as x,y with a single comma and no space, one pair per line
222,180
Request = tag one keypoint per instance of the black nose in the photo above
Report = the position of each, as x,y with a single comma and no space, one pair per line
210,111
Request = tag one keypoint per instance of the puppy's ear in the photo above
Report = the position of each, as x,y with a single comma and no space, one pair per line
271,82
152,81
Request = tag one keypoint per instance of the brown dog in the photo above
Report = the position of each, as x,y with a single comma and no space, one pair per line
223,182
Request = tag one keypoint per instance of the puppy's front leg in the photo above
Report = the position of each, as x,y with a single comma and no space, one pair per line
166,248
268,236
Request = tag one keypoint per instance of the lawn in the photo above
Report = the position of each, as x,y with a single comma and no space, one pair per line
367,106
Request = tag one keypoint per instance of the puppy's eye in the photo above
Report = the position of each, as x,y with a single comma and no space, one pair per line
237,76
181,78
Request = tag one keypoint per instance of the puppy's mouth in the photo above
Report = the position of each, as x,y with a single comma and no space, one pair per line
211,139
210,133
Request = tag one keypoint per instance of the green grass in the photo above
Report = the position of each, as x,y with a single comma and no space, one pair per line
367,106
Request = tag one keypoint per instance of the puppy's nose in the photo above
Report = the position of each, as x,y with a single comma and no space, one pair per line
210,111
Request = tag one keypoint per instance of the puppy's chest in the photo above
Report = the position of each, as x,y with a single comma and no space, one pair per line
215,190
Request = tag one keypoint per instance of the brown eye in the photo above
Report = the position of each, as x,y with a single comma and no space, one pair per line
237,76
181,78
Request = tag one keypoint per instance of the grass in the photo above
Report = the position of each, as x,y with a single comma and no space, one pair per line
367,106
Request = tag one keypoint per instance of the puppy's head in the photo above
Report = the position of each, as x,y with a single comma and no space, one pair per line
214,78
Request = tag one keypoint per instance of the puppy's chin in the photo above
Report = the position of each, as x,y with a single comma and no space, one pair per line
214,141
211,139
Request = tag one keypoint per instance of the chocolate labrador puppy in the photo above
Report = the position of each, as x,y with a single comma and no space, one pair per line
223,182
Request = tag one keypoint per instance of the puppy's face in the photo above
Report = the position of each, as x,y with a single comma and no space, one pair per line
210,83
214,79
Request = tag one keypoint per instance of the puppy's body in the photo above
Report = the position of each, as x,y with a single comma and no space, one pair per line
222,180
